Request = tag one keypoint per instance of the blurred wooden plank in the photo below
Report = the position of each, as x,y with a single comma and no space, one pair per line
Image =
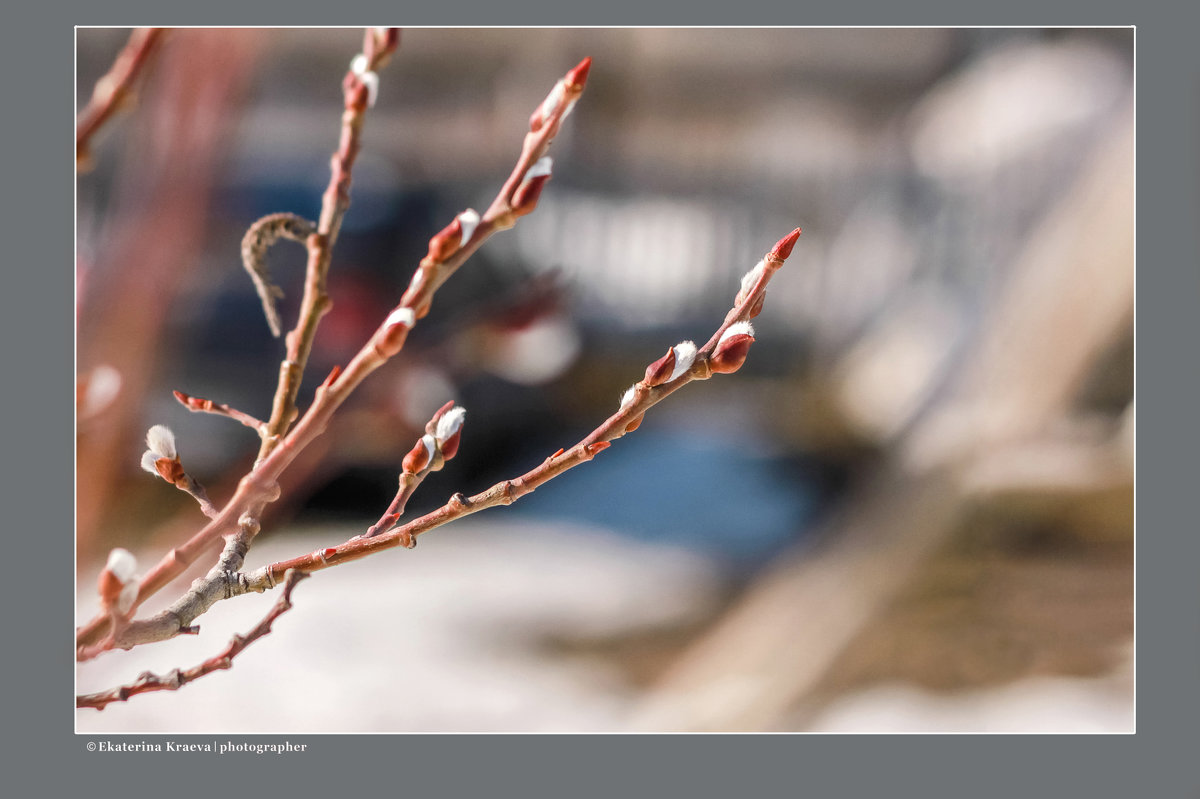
1070,297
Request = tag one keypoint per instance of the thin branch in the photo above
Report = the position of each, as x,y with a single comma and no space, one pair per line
114,89
176,679
517,197
192,487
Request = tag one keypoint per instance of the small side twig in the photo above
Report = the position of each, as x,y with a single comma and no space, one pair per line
114,89
148,682
162,459
199,405
439,444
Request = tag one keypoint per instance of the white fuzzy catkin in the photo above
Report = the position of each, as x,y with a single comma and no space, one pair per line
149,461
161,441
685,354
450,423
401,316
369,79
629,395
542,166
736,329
468,220
431,445
751,277
122,564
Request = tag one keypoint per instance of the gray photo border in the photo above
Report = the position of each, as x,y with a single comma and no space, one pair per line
42,749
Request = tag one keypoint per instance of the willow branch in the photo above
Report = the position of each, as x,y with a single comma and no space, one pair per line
115,88
176,679
449,249
724,352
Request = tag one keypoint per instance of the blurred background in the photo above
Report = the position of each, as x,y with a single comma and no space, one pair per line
911,509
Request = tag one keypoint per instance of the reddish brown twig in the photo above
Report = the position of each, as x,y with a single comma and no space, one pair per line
176,679
199,405
115,88
358,89
517,197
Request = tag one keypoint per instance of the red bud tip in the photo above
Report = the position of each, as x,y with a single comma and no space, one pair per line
333,375
450,446
328,552
783,247
556,454
599,446
635,424
417,458
658,372
443,245
193,403
577,77
526,196
731,353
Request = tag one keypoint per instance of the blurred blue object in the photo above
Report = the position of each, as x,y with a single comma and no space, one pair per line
703,492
